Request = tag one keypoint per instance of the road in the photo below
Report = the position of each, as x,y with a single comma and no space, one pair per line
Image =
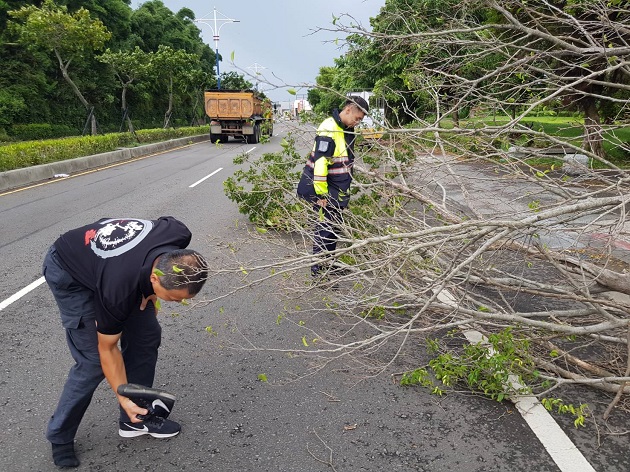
231,420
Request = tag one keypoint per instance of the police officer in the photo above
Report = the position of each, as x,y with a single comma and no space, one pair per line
327,175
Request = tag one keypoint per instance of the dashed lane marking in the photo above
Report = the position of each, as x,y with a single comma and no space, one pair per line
15,297
206,177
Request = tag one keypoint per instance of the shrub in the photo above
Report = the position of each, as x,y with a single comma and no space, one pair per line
36,131
29,153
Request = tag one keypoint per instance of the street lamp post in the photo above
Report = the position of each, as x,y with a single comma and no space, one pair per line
215,26
256,68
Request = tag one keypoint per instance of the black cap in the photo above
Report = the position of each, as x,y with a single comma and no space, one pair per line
358,101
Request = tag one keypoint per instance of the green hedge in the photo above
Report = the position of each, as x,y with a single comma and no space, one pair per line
26,154
35,131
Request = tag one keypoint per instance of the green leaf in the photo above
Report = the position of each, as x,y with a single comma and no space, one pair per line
177,270
292,91
232,57
158,272
211,331
262,377
261,230
157,304
304,341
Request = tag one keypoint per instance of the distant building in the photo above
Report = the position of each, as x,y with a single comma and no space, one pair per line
300,105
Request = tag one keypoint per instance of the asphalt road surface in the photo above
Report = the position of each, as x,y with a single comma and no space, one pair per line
231,420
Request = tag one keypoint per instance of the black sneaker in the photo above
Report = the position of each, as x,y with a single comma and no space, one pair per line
158,402
155,426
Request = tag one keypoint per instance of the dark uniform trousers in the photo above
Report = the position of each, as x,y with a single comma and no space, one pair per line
326,228
139,345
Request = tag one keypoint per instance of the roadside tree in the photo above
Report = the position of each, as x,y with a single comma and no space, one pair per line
128,67
68,36
172,65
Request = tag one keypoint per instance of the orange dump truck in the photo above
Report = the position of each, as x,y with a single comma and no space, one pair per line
238,113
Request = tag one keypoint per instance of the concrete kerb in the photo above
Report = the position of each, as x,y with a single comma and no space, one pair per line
21,177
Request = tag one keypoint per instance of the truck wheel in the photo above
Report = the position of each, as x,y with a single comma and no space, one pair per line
214,138
223,138
253,138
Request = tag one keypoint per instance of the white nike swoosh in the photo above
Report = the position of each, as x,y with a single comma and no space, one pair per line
160,403
144,427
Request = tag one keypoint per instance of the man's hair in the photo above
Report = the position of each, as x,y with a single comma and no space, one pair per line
182,268
358,102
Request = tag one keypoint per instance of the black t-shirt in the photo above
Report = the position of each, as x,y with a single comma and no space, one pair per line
114,258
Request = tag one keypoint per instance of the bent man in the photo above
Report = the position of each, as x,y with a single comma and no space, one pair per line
106,278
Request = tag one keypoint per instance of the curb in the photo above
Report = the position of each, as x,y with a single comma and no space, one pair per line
16,178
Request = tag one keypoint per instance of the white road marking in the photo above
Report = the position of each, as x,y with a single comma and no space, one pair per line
15,297
206,177
564,453
247,152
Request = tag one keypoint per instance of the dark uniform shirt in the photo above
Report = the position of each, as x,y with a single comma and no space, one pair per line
114,258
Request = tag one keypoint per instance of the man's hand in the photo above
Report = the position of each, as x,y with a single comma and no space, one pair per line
114,370
132,409
322,202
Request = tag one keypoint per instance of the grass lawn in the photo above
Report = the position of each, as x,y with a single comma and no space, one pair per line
572,128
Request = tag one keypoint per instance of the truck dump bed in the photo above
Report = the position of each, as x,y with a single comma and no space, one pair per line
232,104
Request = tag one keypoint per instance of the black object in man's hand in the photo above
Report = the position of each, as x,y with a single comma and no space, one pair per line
158,402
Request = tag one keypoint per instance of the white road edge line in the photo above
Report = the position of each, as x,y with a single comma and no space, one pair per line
206,177
247,152
21,293
564,453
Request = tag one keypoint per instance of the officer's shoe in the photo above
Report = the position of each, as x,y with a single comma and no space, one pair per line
155,426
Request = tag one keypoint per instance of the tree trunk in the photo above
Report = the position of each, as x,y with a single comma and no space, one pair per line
167,115
123,104
64,72
455,116
592,128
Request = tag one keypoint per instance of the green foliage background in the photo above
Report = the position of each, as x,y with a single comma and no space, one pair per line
33,92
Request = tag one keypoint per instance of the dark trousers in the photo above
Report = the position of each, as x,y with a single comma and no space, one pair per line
139,345
326,228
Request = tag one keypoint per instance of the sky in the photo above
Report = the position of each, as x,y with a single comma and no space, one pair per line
276,38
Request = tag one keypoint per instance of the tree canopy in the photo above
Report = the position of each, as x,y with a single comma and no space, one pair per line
55,68
439,58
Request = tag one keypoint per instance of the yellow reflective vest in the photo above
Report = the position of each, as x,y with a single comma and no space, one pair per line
330,176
